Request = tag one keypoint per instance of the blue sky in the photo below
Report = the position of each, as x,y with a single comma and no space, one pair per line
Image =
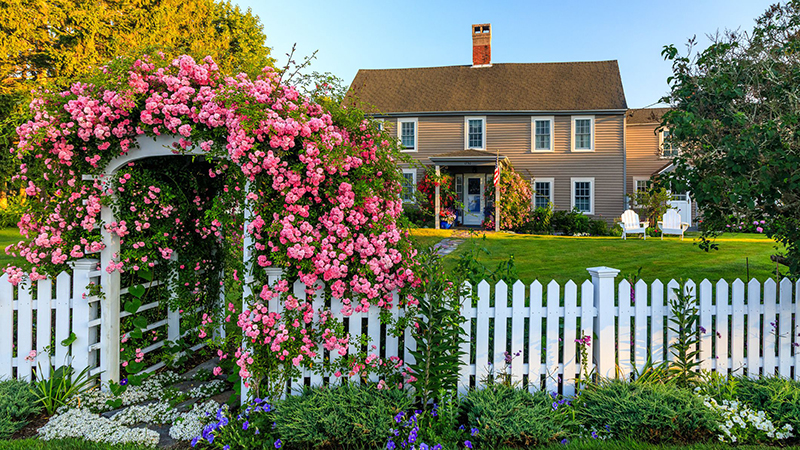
352,35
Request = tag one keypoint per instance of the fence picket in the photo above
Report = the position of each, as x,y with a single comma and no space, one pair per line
318,304
535,337
737,328
6,328
24,330
753,343
570,324
587,322
672,286
640,337
468,312
723,313
482,333
706,336
517,329
500,325
785,329
624,330
770,328
657,344
795,334
44,316
553,336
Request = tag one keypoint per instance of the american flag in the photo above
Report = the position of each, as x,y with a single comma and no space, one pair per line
497,172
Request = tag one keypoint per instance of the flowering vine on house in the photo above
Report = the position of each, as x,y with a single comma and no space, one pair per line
320,183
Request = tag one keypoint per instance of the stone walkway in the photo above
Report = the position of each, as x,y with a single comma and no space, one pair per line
447,246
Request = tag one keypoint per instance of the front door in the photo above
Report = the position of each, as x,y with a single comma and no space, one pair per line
473,199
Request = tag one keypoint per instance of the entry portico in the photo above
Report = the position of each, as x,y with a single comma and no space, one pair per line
472,172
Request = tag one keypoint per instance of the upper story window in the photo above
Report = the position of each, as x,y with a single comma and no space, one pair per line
668,150
542,134
583,133
407,132
475,136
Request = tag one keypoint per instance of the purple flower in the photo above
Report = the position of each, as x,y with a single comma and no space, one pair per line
423,446
468,444
594,434
194,441
473,431
564,441
123,382
278,443
390,445
702,330
555,406
245,424
227,447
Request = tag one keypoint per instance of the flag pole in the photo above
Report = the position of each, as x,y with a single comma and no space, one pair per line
497,192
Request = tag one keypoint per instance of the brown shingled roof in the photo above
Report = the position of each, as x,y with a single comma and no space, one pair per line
645,115
502,87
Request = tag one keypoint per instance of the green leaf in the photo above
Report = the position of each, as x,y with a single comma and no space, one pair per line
145,274
133,305
68,341
114,404
136,291
136,333
140,322
135,367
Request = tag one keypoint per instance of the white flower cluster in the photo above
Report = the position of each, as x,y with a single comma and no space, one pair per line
160,412
213,387
738,418
190,424
151,388
82,423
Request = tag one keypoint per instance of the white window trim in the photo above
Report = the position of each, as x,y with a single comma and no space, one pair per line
661,145
466,132
633,194
572,182
591,138
413,173
552,182
534,119
416,132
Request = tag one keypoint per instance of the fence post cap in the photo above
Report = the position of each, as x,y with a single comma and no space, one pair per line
603,272
274,271
84,264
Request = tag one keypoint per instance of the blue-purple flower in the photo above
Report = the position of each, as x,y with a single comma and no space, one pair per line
468,444
278,443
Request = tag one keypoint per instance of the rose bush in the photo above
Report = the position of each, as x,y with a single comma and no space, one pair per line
319,185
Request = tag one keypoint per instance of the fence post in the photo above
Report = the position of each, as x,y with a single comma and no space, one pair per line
604,349
80,313
273,275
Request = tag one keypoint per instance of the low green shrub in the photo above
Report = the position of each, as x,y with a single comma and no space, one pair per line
10,215
66,444
598,227
649,412
538,222
414,216
346,416
506,416
571,222
778,397
17,403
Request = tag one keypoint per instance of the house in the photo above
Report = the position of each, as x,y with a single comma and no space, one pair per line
561,125
647,154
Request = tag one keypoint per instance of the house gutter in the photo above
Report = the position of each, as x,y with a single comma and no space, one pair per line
500,113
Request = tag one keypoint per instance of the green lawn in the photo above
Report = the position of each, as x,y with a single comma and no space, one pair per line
65,444
7,236
564,258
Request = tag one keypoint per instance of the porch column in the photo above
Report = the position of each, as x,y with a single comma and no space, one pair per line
436,201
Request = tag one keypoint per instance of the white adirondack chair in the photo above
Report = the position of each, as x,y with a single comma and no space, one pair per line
632,225
671,224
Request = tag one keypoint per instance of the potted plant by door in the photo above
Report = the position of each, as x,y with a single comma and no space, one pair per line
447,218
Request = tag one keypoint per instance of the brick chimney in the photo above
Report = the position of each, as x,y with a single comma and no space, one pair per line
481,45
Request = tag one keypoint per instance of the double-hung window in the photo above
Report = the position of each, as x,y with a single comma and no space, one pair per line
409,185
583,133
583,195
543,192
407,132
542,134
475,133
668,149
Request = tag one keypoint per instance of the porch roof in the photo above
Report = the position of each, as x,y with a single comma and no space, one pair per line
466,158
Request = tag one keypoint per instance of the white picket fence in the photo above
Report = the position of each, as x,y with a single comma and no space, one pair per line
60,310
746,329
